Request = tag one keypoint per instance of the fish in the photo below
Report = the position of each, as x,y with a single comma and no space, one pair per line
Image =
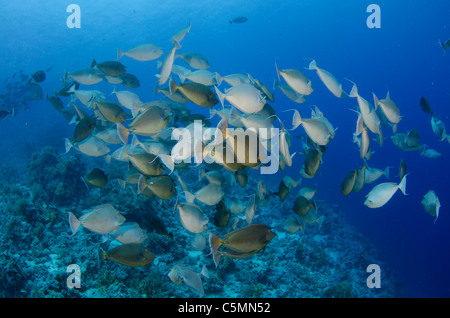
91,146
161,186
213,176
318,129
407,141
312,162
192,217
263,88
198,242
296,80
35,90
85,76
210,194
431,204
311,218
129,80
412,139
438,128
289,92
128,100
56,102
249,239
66,89
236,79
360,179
96,178
244,97
147,164
38,76
5,113
302,206
112,68
102,219
241,177
194,60
389,109
427,152
444,45
198,94
307,192
166,67
109,134
179,35
364,141
283,191
235,206
250,209
333,85
425,105
222,215
239,19
372,174
348,183
383,192
131,254
83,129
129,232
369,115
86,97
291,225
143,52
149,122
182,274
111,111
203,77
176,96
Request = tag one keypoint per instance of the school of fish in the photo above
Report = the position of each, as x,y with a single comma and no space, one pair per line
121,126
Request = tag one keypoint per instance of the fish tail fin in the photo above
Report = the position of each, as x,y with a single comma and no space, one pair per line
101,254
122,183
142,184
313,205
172,86
275,84
214,243
312,65
182,77
157,89
376,102
204,272
176,44
354,91
218,78
85,182
123,133
278,71
402,185
220,95
74,223
93,63
67,144
189,196
120,54
386,172
443,46
201,173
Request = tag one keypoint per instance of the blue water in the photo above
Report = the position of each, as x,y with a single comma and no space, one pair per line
402,56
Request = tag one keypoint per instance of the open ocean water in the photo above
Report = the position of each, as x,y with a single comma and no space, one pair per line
390,47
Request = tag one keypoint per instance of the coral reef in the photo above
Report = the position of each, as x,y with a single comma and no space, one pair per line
37,246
